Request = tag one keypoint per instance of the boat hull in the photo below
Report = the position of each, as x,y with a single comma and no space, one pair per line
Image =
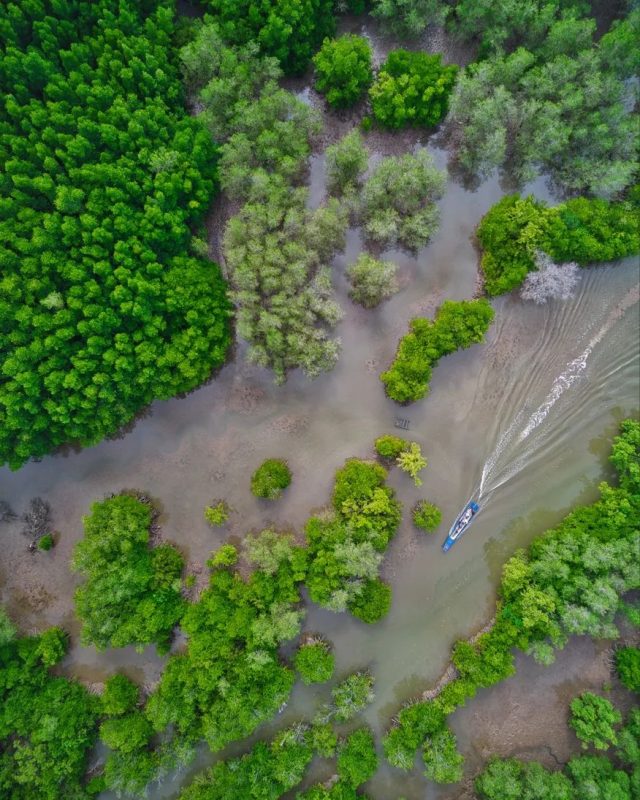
461,524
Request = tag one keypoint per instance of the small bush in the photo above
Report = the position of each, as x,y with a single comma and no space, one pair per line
46,542
217,514
390,446
120,696
225,556
315,662
426,516
346,162
412,88
270,479
323,739
357,757
353,695
592,719
372,602
456,325
343,67
412,462
628,667
372,281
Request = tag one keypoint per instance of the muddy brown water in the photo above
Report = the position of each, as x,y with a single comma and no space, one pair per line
189,451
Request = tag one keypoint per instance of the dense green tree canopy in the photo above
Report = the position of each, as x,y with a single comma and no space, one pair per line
343,68
102,309
48,724
563,110
289,30
516,229
412,88
132,592
456,325
398,202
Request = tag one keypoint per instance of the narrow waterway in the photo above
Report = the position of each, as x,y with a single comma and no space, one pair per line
188,451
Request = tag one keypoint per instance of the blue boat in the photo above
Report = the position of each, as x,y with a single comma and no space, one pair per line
461,524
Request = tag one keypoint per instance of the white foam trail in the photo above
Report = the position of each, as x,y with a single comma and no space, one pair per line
576,367
490,463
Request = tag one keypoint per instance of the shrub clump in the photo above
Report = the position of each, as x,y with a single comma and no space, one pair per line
346,547
398,203
357,757
390,446
372,280
46,542
217,514
346,162
426,516
412,461
352,695
456,325
132,591
343,68
516,230
628,667
592,719
270,479
412,88
314,661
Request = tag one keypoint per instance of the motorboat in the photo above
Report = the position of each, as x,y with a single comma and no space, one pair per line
465,518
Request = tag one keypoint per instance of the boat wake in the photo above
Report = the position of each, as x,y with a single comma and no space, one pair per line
518,445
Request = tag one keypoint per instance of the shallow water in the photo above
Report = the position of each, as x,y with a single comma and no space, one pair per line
189,451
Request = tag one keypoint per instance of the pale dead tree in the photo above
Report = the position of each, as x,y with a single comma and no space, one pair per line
550,281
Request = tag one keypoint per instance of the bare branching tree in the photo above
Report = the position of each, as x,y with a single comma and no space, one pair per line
550,281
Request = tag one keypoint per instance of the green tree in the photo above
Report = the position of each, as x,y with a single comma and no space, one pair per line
346,162
409,17
412,462
131,594
398,204
560,109
442,761
48,724
456,325
314,661
271,478
357,757
217,514
593,719
343,69
628,667
372,281
426,516
390,447
290,30
352,695
412,88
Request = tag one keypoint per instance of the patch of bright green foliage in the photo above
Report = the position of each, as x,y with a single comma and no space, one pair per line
343,69
131,594
580,230
456,325
104,174
314,661
270,479
426,516
412,88
347,546
217,514
48,724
